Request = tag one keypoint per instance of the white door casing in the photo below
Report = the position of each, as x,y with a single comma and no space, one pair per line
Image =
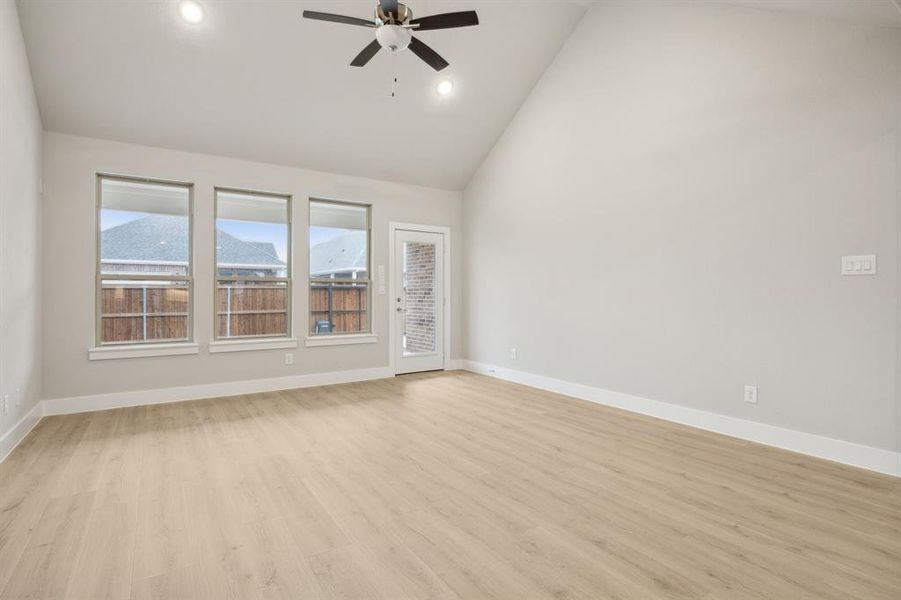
419,315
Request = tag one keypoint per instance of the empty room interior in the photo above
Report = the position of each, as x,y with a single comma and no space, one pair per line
450,299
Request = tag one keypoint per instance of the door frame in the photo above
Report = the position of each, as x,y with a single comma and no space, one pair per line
445,232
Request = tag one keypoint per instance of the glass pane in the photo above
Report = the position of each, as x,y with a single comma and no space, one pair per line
144,228
143,311
419,298
339,307
339,241
251,235
250,309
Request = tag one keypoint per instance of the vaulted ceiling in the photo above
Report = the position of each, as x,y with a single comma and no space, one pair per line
254,80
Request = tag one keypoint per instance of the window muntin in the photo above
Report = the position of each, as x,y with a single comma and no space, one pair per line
144,271
253,265
339,268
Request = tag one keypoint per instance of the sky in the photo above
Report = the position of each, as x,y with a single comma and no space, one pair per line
244,230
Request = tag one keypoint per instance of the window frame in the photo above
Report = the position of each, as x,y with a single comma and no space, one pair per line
288,280
363,333
188,278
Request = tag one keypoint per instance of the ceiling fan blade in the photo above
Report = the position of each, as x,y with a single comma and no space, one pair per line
321,16
366,54
446,20
388,6
431,58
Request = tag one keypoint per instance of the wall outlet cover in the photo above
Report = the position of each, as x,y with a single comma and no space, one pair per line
751,394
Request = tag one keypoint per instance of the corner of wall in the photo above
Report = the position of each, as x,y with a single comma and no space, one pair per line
21,147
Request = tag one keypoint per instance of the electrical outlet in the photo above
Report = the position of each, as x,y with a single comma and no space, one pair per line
5,403
513,353
289,358
751,394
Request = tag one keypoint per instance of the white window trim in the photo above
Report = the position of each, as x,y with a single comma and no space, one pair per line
221,343
142,350
138,349
341,339
249,344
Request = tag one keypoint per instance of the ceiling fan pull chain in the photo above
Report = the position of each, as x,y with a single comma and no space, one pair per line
394,69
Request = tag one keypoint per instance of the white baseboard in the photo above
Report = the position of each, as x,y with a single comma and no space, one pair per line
454,364
866,457
17,433
77,404
874,459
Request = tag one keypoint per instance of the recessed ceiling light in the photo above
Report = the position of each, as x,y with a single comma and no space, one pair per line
190,11
445,87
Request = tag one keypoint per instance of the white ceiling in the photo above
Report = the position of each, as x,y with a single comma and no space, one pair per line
885,13
257,81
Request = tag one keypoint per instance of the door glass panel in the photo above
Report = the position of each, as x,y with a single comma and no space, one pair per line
419,298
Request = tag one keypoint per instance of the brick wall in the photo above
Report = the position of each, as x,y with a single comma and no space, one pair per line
419,288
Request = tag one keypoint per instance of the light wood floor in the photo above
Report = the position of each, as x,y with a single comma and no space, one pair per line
430,486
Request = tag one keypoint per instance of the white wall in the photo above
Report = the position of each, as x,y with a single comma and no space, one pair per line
666,214
70,165
20,228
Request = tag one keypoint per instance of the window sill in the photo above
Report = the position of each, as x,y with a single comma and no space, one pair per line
341,339
244,345
142,350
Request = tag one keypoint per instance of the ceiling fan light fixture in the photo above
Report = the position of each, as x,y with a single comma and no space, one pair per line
190,11
393,37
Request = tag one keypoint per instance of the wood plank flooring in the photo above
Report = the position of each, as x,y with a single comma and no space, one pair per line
446,485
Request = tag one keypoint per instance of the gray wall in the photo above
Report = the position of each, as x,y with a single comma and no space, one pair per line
666,214
70,164
20,225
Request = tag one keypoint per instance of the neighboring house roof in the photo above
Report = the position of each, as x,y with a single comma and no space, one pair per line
267,247
342,254
164,239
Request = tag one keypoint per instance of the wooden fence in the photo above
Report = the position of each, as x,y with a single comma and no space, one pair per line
342,305
131,313
148,312
251,310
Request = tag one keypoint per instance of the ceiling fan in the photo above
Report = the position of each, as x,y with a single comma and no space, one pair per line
394,26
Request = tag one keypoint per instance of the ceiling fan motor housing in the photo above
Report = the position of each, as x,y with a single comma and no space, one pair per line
402,15
393,37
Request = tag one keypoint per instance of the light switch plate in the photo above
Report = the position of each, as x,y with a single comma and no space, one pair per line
863,264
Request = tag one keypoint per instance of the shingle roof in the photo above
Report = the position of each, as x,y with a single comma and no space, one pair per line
343,253
164,238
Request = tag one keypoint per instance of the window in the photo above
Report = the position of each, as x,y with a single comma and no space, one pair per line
144,261
339,268
253,264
